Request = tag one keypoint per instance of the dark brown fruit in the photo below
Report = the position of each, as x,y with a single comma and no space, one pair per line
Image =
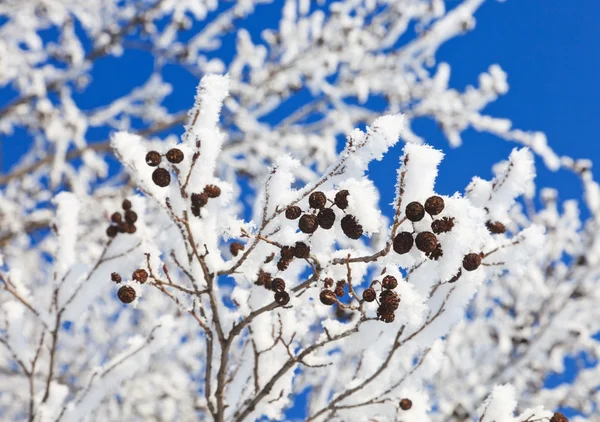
122,227
116,277
351,228
403,242
389,301
558,417
116,217
341,283
126,205
442,225
434,205
131,216
389,282
369,294
415,211
235,248
278,284
327,297
317,200
129,228
339,291
140,275
471,261
387,317
301,250
341,199
287,253
426,242
263,278
198,201
291,213
174,155
283,264
212,191
153,158
308,223
405,404
282,298
161,177
328,282
126,294
496,227
326,218
111,231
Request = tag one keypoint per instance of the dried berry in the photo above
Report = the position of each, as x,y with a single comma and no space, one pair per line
291,213
317,200
287,253
405,404
340,283
111,231
212,191
558,417
278,284
415,211
263,278
122,227
116,277
387,317
153,158
341,199
235,248
308,223
161,177
442,225
369,294
126,294
339,291
403,242
116,217
328,282
456,276
198,201
282,298
126,205
434,205
140,275
496,227
471,261
131,216
174,155
389,282
283,264
301,250
327,297
351,228
389,301
426,242
129,228
326,218
436,254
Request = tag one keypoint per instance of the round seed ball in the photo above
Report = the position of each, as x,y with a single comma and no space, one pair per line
327,297
235,248
403,242
153,158
161,177
434,205
111,231
126,205
131,216
317,200
278,284
426,242
140,275
116,277
496,227
415,211
369,294
282,298
301,250
326,218
389,282
291,213
116,217
341,199
471,261
351,227
308,223
212,191
174,155
126,294
405,404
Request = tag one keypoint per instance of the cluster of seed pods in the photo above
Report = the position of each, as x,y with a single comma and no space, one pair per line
126,294
122,223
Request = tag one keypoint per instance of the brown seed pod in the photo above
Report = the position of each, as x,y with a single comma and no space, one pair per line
326,218
140,275
301,250
471,261
434,205
129,228
496,227
198,201
351,227
111,231
387,317
403,242
339,291
126,294
341,283
443,225
262,278
389,282
405,404
174,155
131,216
389,301
558,417
116,217
426,242
287,253
122,227
415,211
436,254
126,205
161,177
278,284
456,276
282,298
341,199
153,158
291,213
283,264
308,223
369,294
328,282
116,277
317,200
327,297
235,248
212,191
